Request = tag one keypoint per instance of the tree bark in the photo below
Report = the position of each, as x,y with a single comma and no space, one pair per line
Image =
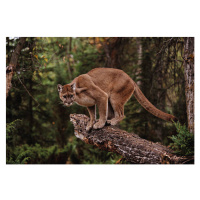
139,62
113,48
13,63
189,80
129,145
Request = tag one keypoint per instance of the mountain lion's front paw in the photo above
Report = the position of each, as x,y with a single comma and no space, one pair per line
99,125
89,127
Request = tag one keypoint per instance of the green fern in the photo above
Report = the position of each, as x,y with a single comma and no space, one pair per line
183,142
12,126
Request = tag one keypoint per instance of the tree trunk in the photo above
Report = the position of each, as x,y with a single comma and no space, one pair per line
113,48
129,145
13,63
139,62
189,80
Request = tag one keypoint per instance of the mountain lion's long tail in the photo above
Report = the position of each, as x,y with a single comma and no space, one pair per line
150,107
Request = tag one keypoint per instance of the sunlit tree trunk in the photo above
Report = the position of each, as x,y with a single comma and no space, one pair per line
139,63
189,80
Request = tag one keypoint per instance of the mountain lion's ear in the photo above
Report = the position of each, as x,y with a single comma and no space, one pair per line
59,88
73,86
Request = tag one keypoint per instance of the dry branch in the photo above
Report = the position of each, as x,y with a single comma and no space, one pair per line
129,145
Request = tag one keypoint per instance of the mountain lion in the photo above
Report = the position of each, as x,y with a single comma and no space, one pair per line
109,89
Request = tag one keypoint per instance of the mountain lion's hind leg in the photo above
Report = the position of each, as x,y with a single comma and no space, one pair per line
117,99
110,111
119,115
117,102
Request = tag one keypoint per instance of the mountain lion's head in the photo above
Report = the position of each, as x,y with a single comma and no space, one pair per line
67,93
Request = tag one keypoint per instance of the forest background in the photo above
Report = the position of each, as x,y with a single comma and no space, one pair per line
38,126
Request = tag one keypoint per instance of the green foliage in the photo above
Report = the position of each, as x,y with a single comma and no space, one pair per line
74,152
26,154
183,142
12,135
11,127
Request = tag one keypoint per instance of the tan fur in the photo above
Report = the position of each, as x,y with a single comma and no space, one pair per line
108,89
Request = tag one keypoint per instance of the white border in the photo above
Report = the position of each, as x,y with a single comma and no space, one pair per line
103,18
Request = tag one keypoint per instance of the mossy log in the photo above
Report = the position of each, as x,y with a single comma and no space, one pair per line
133,148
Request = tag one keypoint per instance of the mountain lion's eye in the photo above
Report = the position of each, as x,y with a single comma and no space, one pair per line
71,96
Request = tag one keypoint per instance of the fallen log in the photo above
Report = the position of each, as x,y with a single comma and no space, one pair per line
129,145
